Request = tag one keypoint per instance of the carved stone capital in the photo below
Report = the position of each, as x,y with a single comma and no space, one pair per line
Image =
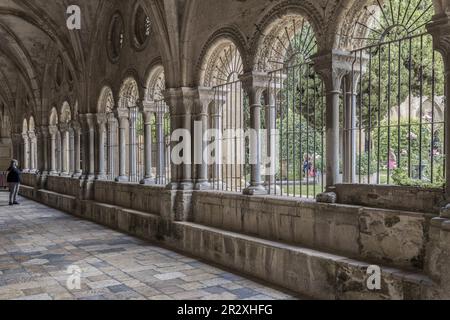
181,101
333,66
254,84
439,28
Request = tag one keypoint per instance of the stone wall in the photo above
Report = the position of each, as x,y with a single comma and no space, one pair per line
392,197
318,250
385,236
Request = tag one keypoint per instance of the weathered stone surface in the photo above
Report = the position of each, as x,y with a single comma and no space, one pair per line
327,197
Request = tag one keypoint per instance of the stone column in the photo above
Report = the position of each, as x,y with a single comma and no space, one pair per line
17,143
89,123
160,138
32,142
111,143
71,152
42,150
439,28
332,67
254,84
217,112
271,120
133,112
349,152
181,102
148,110
64,129
77,150
101,127
205,96
122,115
26,153
53,131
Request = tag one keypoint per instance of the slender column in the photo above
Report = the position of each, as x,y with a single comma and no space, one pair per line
42,150
254,84
133,143
270,113
26,153
332,67
147,114
71,152
111,144
89,121
203,101
123,125
161,146
349,162
77,150
53,131
439,28
101,127
181,102
64,129
32,143
217,120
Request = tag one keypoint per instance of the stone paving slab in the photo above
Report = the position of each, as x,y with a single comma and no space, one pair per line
39,244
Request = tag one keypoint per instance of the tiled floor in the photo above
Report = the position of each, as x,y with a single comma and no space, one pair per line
38,245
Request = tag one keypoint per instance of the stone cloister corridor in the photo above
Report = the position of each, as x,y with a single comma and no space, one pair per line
300,145
39,244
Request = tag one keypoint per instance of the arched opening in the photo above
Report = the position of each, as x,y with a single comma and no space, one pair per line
65,151
294,109
32,145
229,116
54,141
130,133
108,136
159,121
25,146
393,128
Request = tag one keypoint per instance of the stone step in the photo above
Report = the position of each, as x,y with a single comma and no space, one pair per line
309,272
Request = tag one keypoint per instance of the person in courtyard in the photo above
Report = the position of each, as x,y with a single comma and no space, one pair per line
392,160
13,179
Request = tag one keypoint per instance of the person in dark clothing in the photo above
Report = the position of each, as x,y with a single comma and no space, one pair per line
13,180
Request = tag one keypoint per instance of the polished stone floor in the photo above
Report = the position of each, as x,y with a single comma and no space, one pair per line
42,251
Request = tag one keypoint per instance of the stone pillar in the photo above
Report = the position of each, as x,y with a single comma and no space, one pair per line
77,150
161,110
205,96
254,84
349,152
148,110
64,129
26,153
133,112
332,67
53,131
271,120
42,150
89,123
32,141
217,123
17,146
181,102
71,152
439,28
122,115
101,127
111,143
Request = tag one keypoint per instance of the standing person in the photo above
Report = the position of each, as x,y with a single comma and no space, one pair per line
13,180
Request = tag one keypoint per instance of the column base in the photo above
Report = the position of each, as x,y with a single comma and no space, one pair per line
122,179
54,173
255,191
65,175
148,181
77,175
202,185
100,177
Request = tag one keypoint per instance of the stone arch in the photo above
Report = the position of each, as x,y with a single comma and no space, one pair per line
276,20
286,38
105,102
128,93
223,58
54,119
156,84
228,36
25,126
66,113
